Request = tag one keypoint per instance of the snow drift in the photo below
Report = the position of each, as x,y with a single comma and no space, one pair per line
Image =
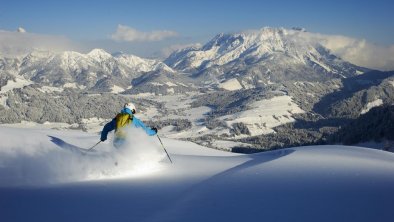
42,157
317,183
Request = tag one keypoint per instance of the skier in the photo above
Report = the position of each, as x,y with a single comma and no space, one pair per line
122,120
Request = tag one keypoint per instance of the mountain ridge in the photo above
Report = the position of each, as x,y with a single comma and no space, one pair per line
259,57
86,70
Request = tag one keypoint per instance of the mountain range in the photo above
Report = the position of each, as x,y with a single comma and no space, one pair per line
257,58
244,60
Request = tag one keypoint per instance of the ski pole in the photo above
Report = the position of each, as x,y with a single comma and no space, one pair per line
94,146
164,148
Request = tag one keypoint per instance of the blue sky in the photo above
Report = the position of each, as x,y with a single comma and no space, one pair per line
93,23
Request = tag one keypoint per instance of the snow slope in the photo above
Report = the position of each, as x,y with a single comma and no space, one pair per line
39,181
264,115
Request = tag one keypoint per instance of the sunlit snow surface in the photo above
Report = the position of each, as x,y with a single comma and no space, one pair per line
40,181
42,157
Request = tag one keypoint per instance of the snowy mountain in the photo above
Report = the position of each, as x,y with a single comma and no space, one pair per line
229,61
324,183
82,71
257,58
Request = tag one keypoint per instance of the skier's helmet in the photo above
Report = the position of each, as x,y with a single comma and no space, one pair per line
130,106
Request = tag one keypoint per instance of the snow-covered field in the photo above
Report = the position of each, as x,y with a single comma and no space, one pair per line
231,84
264,115
41,181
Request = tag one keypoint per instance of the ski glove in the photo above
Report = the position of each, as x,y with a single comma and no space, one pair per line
154,129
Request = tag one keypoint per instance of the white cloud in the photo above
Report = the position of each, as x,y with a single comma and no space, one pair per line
20,42
357,51
128,34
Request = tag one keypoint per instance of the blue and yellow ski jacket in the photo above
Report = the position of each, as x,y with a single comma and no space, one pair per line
134,123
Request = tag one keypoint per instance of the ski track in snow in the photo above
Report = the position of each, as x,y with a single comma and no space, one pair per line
321,183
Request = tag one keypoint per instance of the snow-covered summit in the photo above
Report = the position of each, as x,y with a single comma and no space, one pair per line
275,50
99,54
141,64
225,48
